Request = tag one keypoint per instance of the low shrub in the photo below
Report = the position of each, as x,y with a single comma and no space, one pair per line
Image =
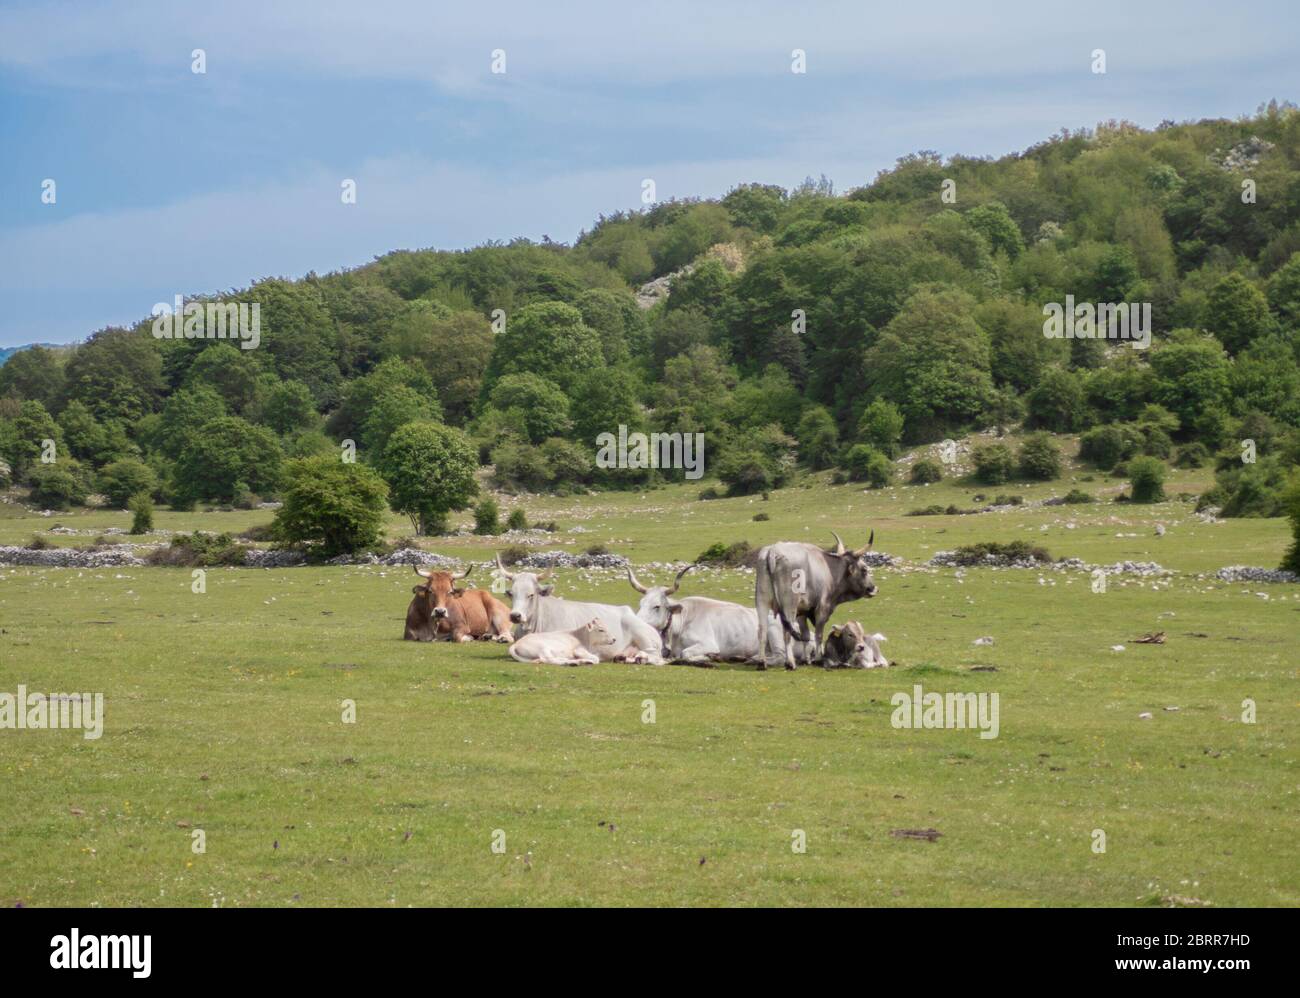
513,554
141,507
517,520
1039,458
994,464
199,550
728,555
1147,478
926,472
974,554
486,517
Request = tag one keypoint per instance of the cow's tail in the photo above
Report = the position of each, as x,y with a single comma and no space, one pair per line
776,600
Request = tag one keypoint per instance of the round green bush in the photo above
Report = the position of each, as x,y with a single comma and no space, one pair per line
486,517
994,464
926,472
1039,458
866,464
1147,479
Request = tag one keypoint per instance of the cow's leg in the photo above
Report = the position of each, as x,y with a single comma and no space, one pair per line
818,650
763,606
697,653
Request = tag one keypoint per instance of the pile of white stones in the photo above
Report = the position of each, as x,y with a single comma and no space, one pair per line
107,557
1249,573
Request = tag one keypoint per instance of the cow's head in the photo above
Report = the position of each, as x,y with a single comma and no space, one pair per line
595,635
438,588
857,573
524,592
849,646
657,605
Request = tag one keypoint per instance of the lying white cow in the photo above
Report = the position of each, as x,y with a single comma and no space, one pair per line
533,609
580,646
698,629
849,646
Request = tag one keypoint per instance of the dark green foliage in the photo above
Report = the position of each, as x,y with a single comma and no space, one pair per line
1146,476
141,507
1056,403
123,479
881,427
1106,446
1039,458
486,517
735,555
1291,509
975,554
1076,496
994,464
518,519
199,550
866,464
899,300
60,485
926,472
1193,455
333,506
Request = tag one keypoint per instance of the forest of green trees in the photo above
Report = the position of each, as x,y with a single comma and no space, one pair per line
804,330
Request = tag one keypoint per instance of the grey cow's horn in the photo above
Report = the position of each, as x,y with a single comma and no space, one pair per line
631,577
678,581
502,569
839,544
870,541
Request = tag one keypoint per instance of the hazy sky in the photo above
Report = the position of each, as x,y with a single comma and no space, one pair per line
171,182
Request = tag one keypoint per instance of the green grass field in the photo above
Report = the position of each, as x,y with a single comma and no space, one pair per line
224,713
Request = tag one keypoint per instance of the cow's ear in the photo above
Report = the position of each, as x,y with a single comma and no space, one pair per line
417,590
458,592
546,590
674,608
837,630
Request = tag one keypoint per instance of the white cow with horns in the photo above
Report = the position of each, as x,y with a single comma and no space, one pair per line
534,609
698,629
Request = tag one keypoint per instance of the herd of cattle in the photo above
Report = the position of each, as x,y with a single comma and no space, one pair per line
796,585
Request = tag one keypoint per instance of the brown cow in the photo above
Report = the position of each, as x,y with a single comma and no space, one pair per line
440,610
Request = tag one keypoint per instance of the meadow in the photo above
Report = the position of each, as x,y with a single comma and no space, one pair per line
224,713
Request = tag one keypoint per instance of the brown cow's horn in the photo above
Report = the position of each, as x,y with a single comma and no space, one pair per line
502,569
423,575
678,581
839,544
464,574
632,579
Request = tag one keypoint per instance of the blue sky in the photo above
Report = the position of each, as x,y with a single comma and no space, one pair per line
172,183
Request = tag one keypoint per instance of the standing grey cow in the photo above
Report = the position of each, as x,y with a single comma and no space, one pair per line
698,629
801,582
534,609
